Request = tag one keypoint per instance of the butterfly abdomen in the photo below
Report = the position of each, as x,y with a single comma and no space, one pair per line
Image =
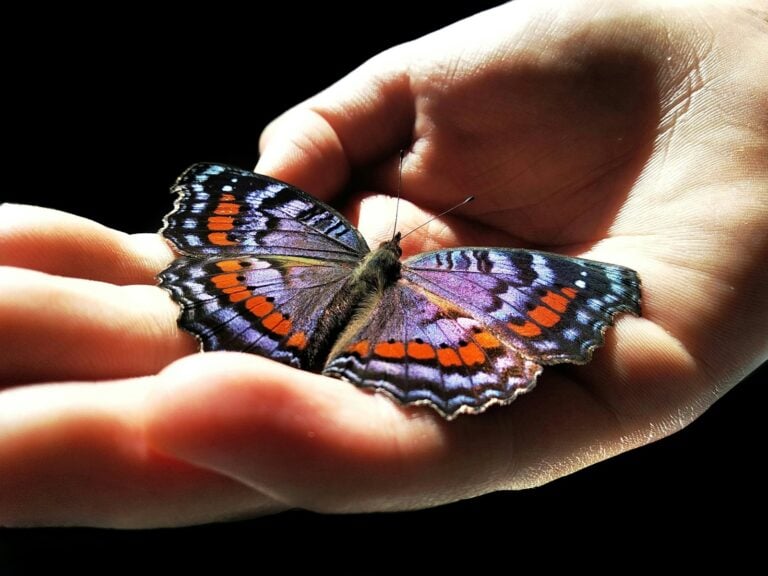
378,270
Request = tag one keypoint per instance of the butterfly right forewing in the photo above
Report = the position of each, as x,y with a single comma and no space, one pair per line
221,209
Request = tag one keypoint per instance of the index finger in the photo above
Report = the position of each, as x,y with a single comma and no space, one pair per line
63,244
363,119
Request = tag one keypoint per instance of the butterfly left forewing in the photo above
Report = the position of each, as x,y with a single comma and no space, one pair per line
552,308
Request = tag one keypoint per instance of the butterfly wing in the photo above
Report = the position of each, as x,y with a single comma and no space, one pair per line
222,209
280,307
422,350
470,327
263,265
552,308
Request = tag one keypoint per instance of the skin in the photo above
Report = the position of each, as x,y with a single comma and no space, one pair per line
624,131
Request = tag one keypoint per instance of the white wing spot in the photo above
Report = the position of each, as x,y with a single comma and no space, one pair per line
595,304
582,317
542,269
571,334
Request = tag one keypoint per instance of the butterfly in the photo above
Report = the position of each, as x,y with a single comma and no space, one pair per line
268,269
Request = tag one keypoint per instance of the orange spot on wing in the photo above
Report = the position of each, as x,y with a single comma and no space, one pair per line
420,351
486,340
555,301
225,280
544,316
227,197
238,296
227,209
570,292
297,340
360,348
234,289
220,239
272,320
259,306
471,354
220,222
387,350
448,357
277,324
229,265
527,330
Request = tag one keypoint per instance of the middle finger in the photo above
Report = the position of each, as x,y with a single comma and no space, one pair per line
56,328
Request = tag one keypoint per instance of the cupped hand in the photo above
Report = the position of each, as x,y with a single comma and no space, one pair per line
626,132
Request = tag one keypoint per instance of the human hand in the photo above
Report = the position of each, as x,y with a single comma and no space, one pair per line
619,131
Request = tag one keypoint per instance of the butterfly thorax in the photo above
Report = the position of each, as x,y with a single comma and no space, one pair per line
379,268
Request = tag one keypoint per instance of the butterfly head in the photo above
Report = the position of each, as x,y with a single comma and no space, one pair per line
393,246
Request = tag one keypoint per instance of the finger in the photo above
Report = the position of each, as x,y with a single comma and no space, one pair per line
56,328
365,117
74,454
310,441
67,245
421,230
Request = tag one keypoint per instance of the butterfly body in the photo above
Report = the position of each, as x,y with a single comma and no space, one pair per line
266,268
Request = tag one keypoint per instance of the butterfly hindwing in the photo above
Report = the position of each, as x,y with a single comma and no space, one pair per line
221,209
268,305
421,350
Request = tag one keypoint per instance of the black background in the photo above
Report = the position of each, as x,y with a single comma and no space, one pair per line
104,110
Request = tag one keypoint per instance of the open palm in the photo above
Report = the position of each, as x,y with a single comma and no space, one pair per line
629,135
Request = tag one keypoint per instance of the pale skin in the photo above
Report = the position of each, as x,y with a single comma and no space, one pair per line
629,132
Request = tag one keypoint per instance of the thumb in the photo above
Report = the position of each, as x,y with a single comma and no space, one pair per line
360,120
302,439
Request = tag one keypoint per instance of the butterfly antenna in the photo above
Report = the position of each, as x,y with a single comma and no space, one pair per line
399,190
466,200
